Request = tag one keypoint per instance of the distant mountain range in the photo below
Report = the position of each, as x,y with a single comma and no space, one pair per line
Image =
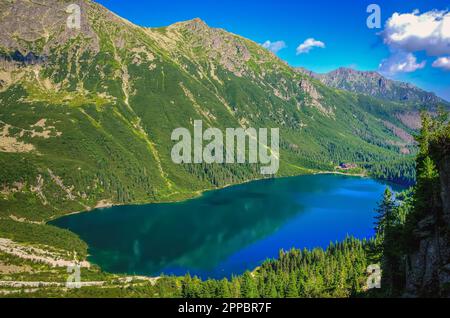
87,115
376,85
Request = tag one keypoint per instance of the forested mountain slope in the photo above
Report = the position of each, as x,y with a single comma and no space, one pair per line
86,115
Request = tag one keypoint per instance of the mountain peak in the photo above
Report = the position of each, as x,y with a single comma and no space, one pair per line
197,21
374,84
195,24
50,28
351,71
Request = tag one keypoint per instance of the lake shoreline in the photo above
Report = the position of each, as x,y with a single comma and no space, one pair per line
268,206
105,203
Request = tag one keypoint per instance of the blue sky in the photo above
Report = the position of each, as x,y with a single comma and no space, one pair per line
339,25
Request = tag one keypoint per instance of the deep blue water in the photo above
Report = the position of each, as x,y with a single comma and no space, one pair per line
228,231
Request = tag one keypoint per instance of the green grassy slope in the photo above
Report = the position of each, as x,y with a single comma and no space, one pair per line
92,119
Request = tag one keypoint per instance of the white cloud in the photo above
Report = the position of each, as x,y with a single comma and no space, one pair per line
400,62
413,32
442,62
274,46
310,43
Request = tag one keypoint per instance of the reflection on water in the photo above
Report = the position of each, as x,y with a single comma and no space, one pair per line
230,230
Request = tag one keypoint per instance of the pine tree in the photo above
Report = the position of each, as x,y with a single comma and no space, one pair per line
248,286
292,291
224,289
235,287
385,214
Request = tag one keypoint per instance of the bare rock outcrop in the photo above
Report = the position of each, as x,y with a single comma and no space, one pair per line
429,265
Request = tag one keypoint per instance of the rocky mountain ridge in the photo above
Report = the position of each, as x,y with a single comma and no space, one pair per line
111,93
376,85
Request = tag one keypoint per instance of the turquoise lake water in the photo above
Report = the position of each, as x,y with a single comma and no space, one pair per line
228,231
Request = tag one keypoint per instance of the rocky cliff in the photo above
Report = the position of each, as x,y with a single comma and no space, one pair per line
428,268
